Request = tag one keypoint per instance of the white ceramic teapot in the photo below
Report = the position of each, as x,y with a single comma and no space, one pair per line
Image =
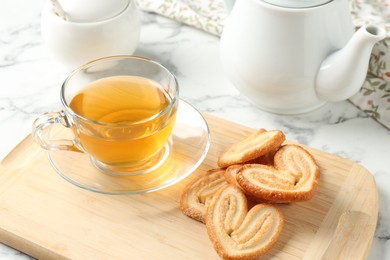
290,56
78,31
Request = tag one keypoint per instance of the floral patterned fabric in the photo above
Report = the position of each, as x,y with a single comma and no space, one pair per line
207,15
374,96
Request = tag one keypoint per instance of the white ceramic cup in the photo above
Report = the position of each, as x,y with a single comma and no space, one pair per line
75,43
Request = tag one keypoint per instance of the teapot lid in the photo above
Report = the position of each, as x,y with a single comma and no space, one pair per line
92,10
297,3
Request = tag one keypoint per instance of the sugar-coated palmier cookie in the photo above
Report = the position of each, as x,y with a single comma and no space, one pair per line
266,159
196,195
231,174
237,233
231,178
256,145
293,178
231,171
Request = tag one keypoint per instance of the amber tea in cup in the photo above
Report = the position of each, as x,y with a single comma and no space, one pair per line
117,100
121,111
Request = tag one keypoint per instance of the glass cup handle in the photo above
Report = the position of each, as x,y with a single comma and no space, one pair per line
41,130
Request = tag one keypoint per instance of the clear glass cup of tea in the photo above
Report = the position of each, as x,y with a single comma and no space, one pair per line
121,111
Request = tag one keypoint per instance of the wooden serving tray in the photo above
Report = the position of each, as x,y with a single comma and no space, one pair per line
44,216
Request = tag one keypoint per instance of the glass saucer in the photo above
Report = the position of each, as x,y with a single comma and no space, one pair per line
189,144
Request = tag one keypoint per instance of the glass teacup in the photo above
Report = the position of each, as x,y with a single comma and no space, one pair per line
121,111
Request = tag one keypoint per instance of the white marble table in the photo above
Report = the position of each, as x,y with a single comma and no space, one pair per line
30,82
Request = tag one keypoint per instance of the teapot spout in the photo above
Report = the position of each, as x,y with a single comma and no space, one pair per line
343,72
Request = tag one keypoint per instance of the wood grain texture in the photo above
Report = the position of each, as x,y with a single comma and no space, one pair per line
43,215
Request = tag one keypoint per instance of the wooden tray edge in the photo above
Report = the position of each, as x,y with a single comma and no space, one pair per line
358,220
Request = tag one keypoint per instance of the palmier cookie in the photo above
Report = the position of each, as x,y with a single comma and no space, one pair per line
231,174
254,146
231,171
197,194
237,233
293,178
231,178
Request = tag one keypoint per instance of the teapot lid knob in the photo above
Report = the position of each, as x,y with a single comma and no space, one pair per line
297,3
92,10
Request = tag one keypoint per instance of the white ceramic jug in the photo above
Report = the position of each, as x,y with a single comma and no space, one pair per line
86,30
291,56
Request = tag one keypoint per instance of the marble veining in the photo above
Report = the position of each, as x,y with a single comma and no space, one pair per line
30,80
